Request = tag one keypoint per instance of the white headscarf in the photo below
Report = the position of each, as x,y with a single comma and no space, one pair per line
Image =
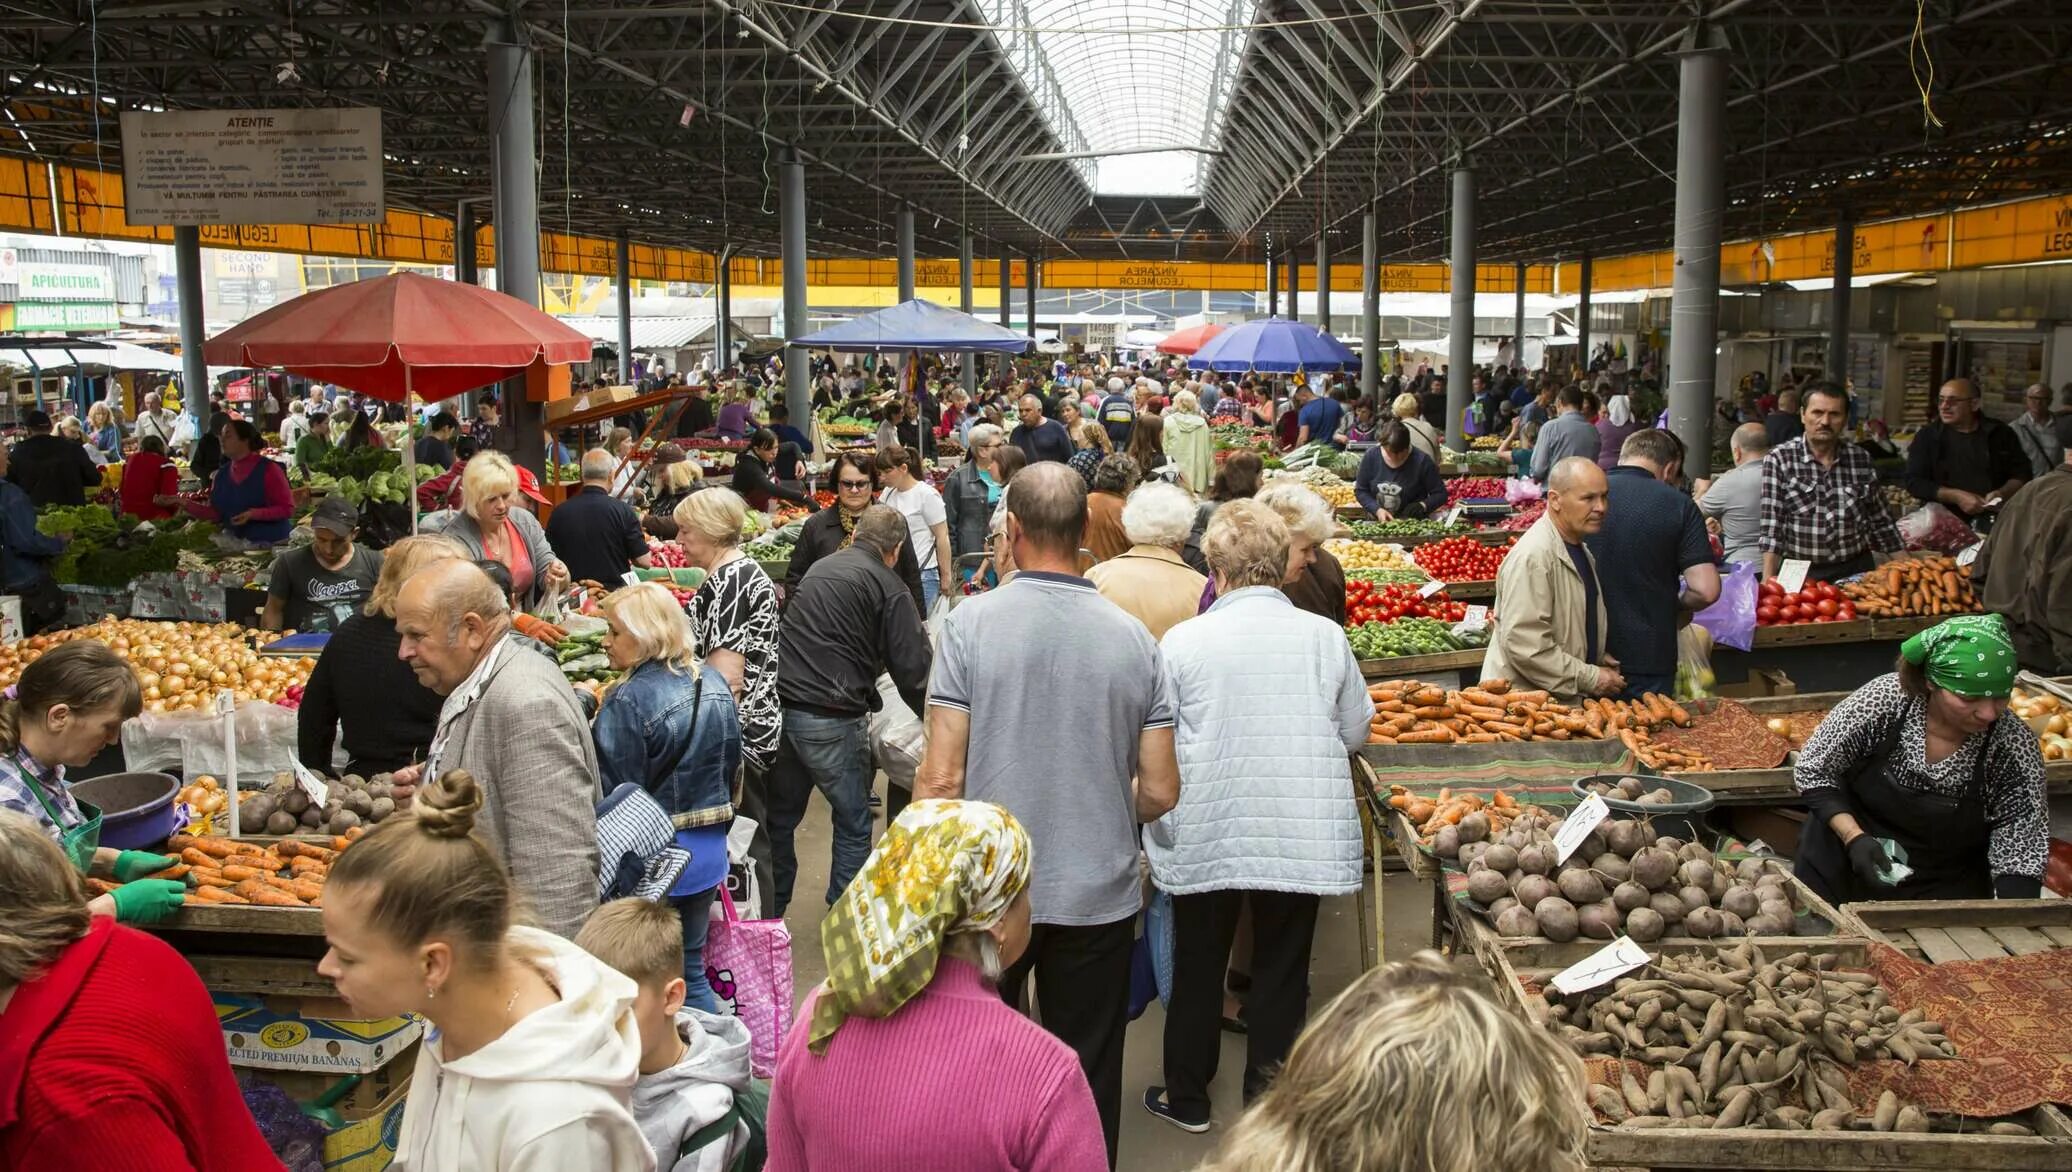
1619,410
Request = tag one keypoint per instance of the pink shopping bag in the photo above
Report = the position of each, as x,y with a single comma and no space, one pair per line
749,965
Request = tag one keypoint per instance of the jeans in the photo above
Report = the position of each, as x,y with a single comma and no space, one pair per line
931,586
832,754
695,910
1083,996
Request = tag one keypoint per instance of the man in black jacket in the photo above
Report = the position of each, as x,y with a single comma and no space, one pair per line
51,469
1962,458
850,620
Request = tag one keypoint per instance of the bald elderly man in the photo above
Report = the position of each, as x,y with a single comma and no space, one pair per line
1963,459
1551,620
511,720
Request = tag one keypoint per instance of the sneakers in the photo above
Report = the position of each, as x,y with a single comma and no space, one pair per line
1154,1102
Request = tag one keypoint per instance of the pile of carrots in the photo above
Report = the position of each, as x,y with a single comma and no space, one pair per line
1427,815
1408,712
287,872
1907,587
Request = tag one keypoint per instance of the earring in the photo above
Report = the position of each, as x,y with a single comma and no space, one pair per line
431,992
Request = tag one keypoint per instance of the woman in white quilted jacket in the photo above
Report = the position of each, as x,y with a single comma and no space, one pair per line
1266,815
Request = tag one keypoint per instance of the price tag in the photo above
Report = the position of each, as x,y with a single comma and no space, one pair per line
1430,588
630,578
1578,825
1475,619
1792,574
1609,963
1451,515
1969,554
317,788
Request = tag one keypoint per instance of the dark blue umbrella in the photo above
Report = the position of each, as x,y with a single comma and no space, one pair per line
1274,345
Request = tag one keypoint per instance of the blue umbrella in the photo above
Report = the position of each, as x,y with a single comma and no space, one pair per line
1274,345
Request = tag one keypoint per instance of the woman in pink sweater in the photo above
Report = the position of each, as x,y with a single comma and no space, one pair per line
931,1069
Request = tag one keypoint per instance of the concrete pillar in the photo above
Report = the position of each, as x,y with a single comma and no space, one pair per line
1370,306
1518,338
194,369
1700,199
1323,283
905,222
517,214
1460,358
1583,314
464,244
791,208
968,362
1029,290
622,284
1838,301
723,320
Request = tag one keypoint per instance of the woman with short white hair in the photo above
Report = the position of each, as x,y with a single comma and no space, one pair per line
493,526
1149,579
734,614
1315,581
1273,827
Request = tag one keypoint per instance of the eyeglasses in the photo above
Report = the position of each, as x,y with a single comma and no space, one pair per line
857,484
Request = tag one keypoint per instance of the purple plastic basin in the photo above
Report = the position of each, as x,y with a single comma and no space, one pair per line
136,808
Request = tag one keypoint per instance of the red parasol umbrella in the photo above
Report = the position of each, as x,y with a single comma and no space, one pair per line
1189,340
390,336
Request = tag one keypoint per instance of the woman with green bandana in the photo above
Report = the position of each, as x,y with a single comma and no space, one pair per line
907,1056
1920,785
69,705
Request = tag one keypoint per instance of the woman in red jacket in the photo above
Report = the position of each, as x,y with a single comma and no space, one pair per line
145,475
110,1055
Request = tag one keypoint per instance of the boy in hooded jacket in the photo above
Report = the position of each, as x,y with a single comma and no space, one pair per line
694,1102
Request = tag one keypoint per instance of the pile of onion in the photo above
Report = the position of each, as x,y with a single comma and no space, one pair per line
179,666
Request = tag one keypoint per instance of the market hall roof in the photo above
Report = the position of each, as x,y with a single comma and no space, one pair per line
987,112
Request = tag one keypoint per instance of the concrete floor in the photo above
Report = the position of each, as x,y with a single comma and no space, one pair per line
1148,1144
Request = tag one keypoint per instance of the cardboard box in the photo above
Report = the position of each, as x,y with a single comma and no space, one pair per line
560,409
1763,681
367,1142
296,1034
373,1087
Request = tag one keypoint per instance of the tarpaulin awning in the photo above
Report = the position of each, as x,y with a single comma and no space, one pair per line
916,325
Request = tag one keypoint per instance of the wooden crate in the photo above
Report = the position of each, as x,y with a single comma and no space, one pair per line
1784,1151
244,919
1808,634
1410,666
1964,929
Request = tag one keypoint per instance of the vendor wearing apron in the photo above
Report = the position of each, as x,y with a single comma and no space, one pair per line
68,706
1929,760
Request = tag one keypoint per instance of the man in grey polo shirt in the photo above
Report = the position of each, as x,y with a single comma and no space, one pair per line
1734,502
1567,434
1081,778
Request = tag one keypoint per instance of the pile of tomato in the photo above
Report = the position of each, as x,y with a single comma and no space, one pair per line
1366,602
1461,559
1818,602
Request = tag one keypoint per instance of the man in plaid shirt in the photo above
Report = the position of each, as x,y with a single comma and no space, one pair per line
1820,496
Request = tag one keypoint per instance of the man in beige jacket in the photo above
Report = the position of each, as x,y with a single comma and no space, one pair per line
1551,620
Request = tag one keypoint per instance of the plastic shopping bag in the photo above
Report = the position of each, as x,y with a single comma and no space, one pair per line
1731,620
749,965
1694,678
1936,528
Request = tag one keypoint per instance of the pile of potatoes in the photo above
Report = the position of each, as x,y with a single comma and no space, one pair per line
1621,879
1737,1039
284,808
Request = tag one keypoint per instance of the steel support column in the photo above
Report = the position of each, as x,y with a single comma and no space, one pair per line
1460,357
622,285
1583,315
791,207
967,363
1370,307
904,221
1294,268
1029,291
515,200
1323,283
464,269
1273,284
723,311
194,369
1518,336
1838,301
1700,196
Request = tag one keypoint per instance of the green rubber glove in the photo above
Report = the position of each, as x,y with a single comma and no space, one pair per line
137,864
148,901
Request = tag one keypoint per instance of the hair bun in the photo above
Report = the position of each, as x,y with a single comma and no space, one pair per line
446,806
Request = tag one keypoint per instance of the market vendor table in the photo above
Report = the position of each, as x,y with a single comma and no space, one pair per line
1821,656
1432,668
1939,931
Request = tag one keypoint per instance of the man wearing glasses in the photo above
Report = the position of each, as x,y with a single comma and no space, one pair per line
1962,459
1820,498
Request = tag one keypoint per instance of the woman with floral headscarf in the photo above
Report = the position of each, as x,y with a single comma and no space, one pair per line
1921,784
906,1056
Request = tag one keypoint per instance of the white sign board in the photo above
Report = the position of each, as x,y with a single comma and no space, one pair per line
41,281
1578,825
320,166
1609,963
